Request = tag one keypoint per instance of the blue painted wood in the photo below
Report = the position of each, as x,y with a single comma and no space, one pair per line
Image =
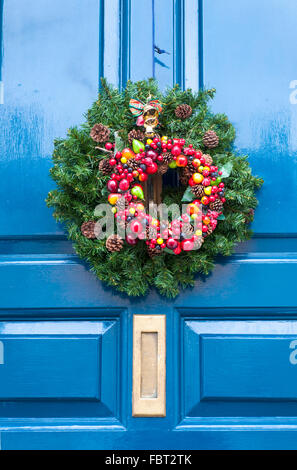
237,371
65,371
230,382
248,58
50,76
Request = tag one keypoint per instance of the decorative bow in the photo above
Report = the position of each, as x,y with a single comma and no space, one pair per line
137,106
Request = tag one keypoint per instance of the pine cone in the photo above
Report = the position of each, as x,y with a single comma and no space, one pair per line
217,206
210,139
192,169
208,160
88,229
183,111
100,133
154,251
167,157
187,230
105,167
150,232
162,169
136,134
184,179
122,203
114,243
198,190
133,163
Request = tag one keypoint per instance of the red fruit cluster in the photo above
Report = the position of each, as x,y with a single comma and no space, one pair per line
130,170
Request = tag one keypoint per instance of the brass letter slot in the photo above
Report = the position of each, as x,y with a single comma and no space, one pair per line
149,365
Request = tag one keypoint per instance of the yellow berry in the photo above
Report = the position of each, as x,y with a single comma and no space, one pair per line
114,210
164,138
160,241
132,210
194,216
124,160
208,190
197,178
149,141
198,233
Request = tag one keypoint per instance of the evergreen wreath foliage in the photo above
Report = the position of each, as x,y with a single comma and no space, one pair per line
81,187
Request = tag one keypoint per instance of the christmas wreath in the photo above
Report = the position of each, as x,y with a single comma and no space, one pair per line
128,138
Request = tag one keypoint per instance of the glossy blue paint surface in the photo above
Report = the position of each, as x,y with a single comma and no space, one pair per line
66,339
50,76
248,57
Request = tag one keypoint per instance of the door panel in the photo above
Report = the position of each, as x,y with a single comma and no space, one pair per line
240,371
50,77
248,57
60,369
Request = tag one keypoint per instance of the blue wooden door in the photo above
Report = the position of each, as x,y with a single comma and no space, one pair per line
65,339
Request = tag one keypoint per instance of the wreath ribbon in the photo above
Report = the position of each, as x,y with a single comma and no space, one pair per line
137,106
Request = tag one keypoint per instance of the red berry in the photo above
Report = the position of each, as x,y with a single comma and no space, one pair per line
171,243
124,185
147,161
131,240
152,169
187,245
112,162
177,250
136,226
181,161
112,186
152,154
176,150
185,218
108,146
206,182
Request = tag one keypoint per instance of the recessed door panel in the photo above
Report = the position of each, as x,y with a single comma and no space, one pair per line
59,369
239,369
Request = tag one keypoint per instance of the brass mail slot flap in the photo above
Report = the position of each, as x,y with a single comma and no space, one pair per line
149,365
